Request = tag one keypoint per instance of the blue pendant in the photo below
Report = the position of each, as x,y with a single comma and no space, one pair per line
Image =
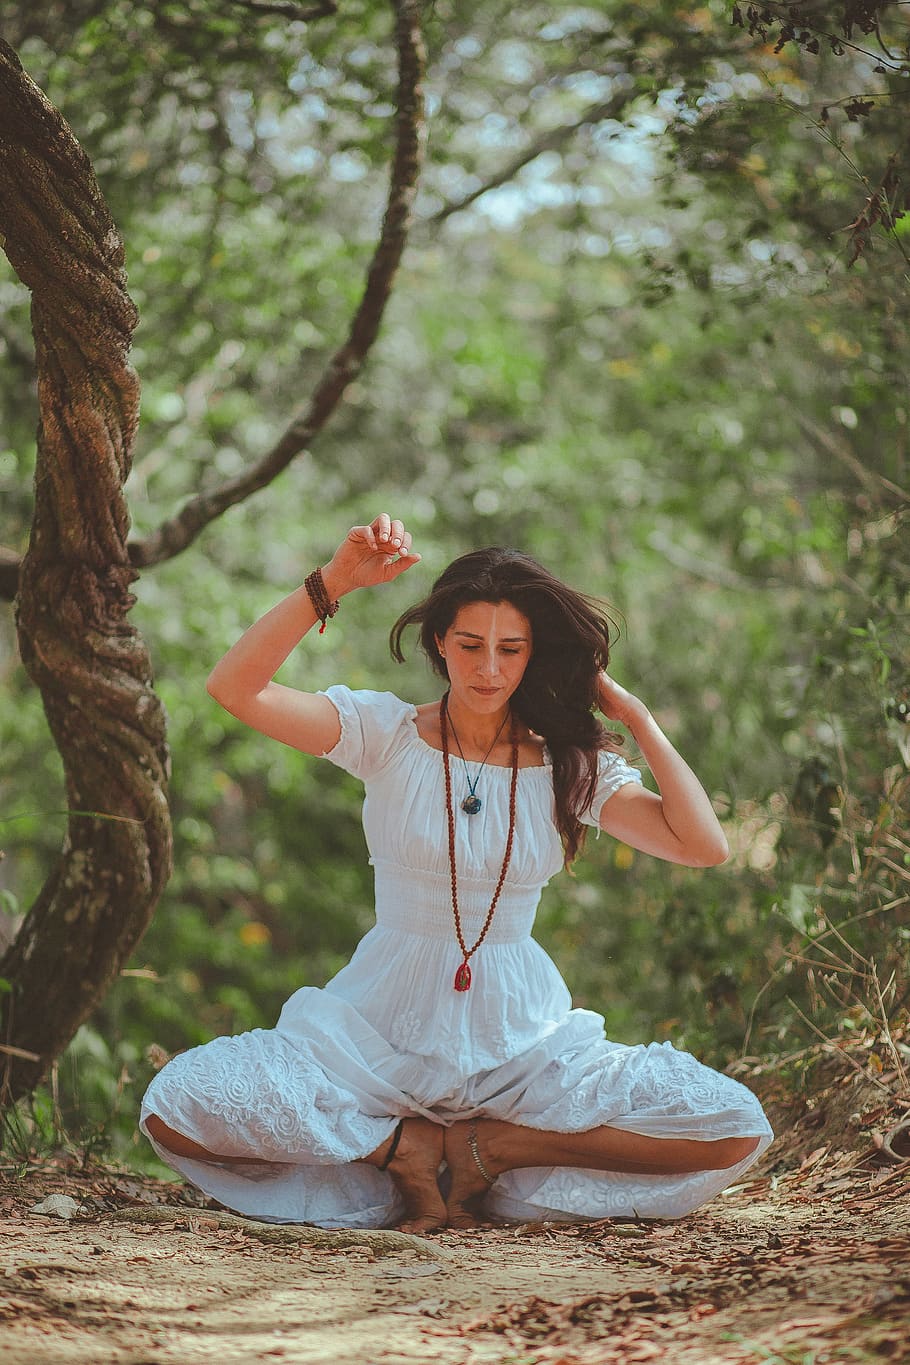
471,804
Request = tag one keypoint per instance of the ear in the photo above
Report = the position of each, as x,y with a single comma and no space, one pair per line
438,640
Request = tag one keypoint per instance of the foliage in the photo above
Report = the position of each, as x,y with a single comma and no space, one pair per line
643,357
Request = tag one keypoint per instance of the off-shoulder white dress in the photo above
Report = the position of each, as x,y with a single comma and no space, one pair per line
389,1036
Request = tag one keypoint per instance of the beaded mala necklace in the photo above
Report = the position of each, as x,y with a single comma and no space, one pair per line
463,975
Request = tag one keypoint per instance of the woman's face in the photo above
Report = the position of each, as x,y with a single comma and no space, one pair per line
486,650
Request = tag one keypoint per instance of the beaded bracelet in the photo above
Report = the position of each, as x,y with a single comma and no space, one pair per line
318,595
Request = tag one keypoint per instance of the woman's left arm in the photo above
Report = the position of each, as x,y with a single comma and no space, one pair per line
679,823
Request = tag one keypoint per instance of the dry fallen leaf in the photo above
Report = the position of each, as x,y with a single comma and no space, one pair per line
813,1157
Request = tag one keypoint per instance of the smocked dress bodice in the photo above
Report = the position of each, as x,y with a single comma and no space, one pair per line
401,977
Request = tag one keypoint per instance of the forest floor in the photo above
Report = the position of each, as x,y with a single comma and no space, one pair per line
808,1262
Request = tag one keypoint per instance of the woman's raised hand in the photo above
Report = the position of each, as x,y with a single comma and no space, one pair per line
617,703
370,555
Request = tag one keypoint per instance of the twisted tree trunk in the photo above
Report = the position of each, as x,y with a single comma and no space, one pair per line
90,665
77,643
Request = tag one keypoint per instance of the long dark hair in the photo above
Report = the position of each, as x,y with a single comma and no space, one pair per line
558,693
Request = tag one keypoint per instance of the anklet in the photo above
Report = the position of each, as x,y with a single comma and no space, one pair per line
475,1153
396,1138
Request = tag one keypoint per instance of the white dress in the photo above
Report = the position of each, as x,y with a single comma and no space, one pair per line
389,1036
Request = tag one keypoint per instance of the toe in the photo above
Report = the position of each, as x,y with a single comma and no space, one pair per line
422,1224
462,1219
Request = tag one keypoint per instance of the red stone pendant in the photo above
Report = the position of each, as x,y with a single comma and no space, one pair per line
463,977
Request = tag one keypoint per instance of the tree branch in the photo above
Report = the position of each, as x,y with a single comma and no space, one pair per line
547,142
806,24
871,480
288,10
692,563
176,534
381,1241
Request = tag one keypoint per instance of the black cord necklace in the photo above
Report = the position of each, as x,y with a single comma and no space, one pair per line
472,803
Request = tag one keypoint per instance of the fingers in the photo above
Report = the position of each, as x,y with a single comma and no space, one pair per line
407,559
363,535
382,534
375,554
389,534
382,525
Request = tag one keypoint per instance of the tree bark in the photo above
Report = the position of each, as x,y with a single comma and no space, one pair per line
89,663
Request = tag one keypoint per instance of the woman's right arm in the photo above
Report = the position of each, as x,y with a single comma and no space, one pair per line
242,680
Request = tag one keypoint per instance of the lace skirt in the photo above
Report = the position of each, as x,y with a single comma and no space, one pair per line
309,1102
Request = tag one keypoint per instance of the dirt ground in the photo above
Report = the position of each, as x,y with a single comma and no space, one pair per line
808,1262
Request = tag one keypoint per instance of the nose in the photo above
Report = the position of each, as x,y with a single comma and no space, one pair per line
488,665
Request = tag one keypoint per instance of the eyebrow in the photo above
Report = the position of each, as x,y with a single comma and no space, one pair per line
505,639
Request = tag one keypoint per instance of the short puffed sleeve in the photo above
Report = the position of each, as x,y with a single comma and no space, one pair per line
373,726
613,772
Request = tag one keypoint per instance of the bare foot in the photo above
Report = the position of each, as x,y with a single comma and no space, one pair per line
414,1169
468,1183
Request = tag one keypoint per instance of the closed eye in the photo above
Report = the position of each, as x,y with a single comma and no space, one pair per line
470,649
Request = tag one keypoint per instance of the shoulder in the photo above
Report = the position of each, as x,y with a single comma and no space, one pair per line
373,725
384,706
613,771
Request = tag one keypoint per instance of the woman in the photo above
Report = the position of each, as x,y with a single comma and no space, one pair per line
443,1072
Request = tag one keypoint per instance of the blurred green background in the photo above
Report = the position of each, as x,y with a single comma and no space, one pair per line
645,358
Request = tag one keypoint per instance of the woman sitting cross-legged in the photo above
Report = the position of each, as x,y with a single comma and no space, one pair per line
443,1076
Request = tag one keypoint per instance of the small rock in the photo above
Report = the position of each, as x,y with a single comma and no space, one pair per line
57,1206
